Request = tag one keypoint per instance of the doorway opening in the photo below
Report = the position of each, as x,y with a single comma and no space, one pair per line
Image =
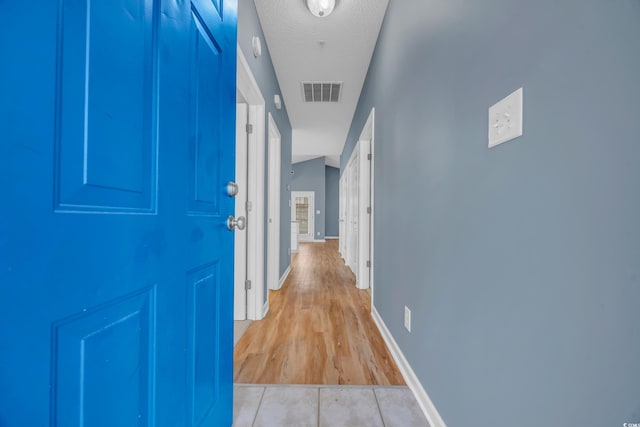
273,224
250,300
319,324
357,208
302,212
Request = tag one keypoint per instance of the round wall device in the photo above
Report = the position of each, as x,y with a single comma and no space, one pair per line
257,46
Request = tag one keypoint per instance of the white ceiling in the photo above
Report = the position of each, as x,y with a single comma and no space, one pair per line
335,48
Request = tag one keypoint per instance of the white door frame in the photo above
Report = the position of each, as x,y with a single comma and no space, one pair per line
368,134
312,213
273,231
353,213
357,250
364,215
248,87
240,236
342,215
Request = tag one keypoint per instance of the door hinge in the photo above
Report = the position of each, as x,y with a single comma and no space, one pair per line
249,128
248,206
369,210
368,264
247,284
369,156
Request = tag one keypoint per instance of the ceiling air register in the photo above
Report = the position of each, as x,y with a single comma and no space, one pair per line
321,91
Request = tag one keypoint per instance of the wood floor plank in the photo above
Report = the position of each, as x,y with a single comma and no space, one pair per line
319,329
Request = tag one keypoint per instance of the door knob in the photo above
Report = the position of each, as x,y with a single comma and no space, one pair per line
232,189
239,223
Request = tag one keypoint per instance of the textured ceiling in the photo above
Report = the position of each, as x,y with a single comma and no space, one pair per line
306,48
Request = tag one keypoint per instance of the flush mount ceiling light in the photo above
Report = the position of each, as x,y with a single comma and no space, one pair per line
321,8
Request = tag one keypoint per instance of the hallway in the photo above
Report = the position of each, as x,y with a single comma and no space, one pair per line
318,331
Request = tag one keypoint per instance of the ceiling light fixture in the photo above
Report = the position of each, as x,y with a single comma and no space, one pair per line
321,8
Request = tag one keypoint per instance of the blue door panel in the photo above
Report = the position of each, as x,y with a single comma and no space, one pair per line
96,382
116,268
206,81
116,81
106,111
216,16
218,5
204,356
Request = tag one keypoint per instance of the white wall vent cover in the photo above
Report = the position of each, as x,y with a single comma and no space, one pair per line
321,91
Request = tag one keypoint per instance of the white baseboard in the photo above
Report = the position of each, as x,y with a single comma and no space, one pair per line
265,309
284,277
318,241
430,411
331,237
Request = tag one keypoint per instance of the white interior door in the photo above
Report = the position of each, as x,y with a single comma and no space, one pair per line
348,219
240,236
302,211
364,213
273,223
356,219
355,213
253,201
342,217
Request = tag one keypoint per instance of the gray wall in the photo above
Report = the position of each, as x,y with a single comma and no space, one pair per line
309,176
522,263
262,69
332,199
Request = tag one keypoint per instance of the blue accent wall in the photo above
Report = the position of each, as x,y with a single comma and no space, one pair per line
263,71
332,193
310,176
521,263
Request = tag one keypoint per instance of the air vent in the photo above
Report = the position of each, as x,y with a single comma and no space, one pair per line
321,91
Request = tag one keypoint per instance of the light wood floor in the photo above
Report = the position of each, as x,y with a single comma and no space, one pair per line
319,329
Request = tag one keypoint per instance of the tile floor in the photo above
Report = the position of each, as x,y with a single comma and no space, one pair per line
325,406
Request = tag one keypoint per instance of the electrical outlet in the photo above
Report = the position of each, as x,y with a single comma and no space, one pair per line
505,119
407,318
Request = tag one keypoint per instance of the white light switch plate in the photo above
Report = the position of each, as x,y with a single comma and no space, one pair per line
505,119
407,318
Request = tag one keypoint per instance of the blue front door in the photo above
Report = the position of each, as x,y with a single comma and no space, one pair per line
116,267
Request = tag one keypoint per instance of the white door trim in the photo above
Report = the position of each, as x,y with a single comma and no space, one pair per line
309,237
273,232
372,166
240,236
364,216
368,134
353,251
248,87
342,215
